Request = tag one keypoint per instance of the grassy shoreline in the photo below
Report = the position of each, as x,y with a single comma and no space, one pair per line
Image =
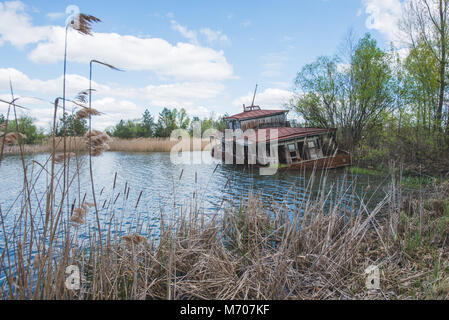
77,144
318,250
250,252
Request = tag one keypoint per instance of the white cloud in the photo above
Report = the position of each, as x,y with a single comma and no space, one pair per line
181,94
193,74
190,35
215,36
114,110
198,111
271,98
273,64
16,27
181,61
55,15
117,102
175,93
212,36
384,16
53,87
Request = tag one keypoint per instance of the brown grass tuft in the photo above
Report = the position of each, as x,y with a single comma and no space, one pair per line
59,158
84,23
97,141
14,138
79,214
135,238
86,112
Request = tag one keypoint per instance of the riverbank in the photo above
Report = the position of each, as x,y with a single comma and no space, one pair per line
250,254
251,251
77,144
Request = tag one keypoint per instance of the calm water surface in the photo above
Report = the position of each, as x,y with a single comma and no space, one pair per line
167,189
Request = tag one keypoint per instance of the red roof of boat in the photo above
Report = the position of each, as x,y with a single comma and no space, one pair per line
285,133
255,114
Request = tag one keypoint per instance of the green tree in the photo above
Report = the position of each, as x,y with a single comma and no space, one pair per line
124,130
426,24
220,124
170,120
349,97
146,127
75,127
27,127
422,86
205,124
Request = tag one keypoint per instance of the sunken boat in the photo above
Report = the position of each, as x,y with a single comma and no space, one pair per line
261,138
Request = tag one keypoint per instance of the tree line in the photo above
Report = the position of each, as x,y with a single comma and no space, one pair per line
385,105
145,127
168,120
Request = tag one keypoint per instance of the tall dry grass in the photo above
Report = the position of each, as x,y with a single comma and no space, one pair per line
316,251
157,144
46,146
115,144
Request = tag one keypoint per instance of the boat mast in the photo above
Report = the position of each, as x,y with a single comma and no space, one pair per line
254,97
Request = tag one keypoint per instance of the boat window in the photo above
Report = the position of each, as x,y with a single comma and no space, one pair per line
291,148
315,151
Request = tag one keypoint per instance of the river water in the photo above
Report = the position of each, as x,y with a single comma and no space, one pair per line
166,187
149,186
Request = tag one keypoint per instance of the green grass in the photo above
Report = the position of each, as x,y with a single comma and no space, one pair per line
364,171
415,182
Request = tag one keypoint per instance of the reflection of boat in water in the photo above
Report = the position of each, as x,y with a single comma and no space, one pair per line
265,138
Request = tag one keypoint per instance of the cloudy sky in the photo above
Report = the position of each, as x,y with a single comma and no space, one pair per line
205,56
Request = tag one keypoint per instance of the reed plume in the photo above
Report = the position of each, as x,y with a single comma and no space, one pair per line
79,214
84,113
134,238
97,142
84,23
83,96
81,100
59,158
14,138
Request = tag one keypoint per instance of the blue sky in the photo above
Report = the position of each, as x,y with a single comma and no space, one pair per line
205,56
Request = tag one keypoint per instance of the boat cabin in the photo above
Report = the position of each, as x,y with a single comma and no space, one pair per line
295,146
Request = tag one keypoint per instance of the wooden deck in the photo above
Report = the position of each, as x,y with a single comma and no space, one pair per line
340,160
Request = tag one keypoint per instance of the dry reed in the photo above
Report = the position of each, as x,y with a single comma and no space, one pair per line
84,113
115,144
253,252
157,145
